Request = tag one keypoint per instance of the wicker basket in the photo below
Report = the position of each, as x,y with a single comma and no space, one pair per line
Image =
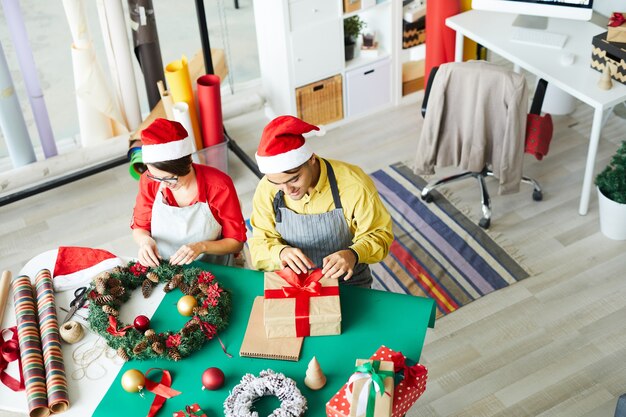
321,102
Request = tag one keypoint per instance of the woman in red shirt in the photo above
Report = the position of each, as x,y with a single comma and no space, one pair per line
184,211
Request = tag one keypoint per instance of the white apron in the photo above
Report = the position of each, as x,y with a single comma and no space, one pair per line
173,227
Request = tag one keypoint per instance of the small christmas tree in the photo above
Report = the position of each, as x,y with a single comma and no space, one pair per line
315,378
612,180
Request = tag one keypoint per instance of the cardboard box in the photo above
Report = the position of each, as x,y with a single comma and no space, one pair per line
617,33
351,5
413,33
412,77
609,53
294,306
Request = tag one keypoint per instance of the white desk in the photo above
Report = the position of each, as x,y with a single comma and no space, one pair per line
492,30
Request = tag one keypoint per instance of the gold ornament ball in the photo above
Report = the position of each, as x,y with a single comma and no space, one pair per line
186,304
133,380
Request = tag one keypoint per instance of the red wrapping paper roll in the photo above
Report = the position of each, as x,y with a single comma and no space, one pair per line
210,102
56,383
30,347
440,38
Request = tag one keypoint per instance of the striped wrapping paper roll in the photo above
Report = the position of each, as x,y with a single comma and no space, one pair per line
56,384
30,347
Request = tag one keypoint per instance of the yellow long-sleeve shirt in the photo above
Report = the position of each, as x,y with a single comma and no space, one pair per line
367,217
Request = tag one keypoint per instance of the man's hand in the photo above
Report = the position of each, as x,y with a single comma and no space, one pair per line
339,263
148,253
295,259
186,254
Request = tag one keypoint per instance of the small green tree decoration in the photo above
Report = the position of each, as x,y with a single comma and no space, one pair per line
352,27
612,180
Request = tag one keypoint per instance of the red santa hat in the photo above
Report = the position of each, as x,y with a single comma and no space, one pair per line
282,145
165,140
72,266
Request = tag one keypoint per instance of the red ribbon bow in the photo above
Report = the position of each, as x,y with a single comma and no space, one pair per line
302,287
9,352
616,19
162,390
413,373
399,361
112,329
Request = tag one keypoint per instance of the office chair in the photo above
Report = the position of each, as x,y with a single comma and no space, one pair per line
487,170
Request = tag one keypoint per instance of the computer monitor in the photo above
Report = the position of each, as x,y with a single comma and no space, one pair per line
566,9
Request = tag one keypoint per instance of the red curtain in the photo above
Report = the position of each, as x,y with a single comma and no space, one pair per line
439,37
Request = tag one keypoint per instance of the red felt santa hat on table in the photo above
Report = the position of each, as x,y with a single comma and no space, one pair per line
282,145
165,140
72,266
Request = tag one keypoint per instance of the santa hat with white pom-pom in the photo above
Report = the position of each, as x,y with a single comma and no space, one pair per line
283,146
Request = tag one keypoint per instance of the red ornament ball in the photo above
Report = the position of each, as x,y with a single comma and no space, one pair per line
141,323
212,379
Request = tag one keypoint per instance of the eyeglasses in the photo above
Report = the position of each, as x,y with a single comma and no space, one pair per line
168,180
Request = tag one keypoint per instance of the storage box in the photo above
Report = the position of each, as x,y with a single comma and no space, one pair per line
412,77
298,305
413,33
617,33
614,54
321,102
351,5
368,88
215,156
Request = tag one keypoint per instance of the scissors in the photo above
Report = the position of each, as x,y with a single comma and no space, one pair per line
80,297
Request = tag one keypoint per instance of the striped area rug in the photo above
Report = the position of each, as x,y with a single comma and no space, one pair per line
437,252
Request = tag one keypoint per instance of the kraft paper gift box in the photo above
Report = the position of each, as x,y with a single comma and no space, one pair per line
298,305
617,28
410,380
193,410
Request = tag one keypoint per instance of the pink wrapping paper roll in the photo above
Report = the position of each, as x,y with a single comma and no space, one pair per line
30,347
210,103
56,383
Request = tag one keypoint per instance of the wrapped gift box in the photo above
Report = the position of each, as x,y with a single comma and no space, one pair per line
609,53
190,411
300,305
413,33
345,402
617,33
410,384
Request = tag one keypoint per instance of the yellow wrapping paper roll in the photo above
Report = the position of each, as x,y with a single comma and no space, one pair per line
177,76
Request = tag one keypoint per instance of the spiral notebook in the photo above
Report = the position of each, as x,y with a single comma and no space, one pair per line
257,345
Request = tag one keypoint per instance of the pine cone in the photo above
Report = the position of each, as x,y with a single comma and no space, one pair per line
158,348
203,287
146,288
186,289
110,310
200,311
104,275
153,277
151,336
140,347
103,299
194,289
117,291
121,352
176,280
174,354
116,270
100,285
114,282
189,328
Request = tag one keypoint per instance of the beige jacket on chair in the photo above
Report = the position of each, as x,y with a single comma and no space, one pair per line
476,115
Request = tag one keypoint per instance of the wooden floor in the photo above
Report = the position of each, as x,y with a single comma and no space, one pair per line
551,345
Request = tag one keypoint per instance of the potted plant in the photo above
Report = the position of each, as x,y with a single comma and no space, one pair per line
352,27
611,184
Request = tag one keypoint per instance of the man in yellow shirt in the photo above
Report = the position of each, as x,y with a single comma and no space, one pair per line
311,212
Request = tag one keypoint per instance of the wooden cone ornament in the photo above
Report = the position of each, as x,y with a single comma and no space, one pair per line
605,82
315,378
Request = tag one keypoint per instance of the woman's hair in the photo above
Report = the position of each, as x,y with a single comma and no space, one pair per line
179,167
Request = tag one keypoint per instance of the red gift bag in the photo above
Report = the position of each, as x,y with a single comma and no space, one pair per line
538,128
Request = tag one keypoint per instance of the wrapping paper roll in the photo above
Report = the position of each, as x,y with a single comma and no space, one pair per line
210,102
181,115
56,383
17,29
440,37
136,167
30,347
98,115
12,120
5,285
166,100
146,45
177,75
113,27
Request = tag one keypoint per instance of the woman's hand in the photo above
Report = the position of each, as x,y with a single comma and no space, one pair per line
339,263
148,253
295,259
186,254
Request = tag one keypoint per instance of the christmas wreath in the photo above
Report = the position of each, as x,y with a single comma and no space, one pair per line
110,290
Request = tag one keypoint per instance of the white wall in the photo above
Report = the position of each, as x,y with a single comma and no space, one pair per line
606,7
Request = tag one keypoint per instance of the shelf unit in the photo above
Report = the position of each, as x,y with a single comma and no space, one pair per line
300,42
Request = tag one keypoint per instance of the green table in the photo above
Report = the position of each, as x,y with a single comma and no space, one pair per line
370,318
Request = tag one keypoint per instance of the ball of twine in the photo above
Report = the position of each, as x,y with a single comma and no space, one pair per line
72,332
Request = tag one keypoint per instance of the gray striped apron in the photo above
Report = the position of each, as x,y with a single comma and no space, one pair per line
319,235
